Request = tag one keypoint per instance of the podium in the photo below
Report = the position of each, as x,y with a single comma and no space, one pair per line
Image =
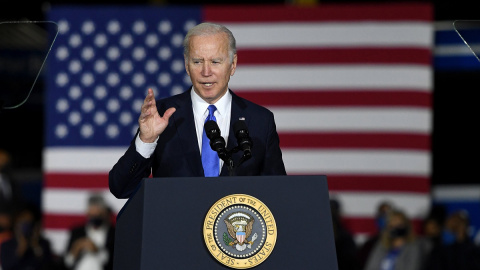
162,225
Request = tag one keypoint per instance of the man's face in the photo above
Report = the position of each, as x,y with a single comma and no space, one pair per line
209,66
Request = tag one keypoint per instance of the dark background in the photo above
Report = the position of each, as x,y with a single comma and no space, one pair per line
454,138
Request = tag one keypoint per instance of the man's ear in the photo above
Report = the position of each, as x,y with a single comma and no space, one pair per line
234,65
186,64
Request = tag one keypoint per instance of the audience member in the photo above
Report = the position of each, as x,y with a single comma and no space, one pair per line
5,225
432,227
90,246
397,248
457,250
10,193
345,245
27,249
383,210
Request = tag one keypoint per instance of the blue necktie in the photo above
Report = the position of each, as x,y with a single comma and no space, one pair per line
210,158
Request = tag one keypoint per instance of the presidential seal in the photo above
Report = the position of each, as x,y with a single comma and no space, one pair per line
240,231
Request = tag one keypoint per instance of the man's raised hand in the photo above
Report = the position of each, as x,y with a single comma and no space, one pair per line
150,122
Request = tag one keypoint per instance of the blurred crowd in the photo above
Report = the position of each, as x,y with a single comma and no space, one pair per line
443,241
23,245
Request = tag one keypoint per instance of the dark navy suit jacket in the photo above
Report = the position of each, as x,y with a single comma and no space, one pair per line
177,153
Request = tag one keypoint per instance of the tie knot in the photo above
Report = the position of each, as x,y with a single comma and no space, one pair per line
211,110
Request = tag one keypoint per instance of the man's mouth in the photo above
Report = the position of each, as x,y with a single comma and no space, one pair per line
207,84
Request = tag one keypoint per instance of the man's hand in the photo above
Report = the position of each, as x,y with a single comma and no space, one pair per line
150,122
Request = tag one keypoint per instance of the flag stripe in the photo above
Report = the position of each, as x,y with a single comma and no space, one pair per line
355,141
408,163
326,12
347,98
249,77
387,183
318,35
62,222
308,119
321,161
358,225
293,56
354,203
383,183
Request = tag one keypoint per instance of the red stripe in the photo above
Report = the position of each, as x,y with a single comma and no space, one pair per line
324,12
378,183
354,224
367,225
76,180
330,98
293,56
355,141
366,183
65,221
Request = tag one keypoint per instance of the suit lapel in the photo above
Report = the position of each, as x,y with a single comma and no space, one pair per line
185,125
238,111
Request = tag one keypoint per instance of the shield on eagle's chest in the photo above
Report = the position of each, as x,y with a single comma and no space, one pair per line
240,237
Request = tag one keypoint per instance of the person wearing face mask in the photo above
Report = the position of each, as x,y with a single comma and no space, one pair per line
457,251
383,210
27,249
91,245
397,248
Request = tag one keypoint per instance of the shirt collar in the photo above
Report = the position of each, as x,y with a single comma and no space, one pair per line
200,106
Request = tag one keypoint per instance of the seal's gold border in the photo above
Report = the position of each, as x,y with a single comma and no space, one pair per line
209,231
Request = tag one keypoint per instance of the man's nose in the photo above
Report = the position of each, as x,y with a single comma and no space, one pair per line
206,69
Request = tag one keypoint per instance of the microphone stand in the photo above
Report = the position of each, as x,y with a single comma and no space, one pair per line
227,159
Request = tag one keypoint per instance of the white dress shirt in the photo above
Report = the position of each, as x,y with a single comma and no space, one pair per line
200,113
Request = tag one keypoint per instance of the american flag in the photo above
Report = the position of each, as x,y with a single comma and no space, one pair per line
350,87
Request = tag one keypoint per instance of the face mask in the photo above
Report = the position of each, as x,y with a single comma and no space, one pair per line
381,222
448,237
398,232
96,221
27,229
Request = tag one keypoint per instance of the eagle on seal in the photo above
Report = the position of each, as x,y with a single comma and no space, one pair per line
239,227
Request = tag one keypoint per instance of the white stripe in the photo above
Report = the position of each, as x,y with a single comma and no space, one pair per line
396,162
364,204
74,201
58,240
328,34
297,119
454,50
81,159
456,193
303,77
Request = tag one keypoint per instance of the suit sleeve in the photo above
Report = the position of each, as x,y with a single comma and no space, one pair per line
126,175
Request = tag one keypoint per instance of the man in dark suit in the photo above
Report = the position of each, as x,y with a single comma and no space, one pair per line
169,140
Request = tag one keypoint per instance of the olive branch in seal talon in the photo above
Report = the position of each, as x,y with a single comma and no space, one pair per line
227,240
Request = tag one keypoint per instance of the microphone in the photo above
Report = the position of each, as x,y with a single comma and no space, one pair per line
217,142
243,138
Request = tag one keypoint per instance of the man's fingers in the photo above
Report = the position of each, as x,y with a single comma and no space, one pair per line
168,113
